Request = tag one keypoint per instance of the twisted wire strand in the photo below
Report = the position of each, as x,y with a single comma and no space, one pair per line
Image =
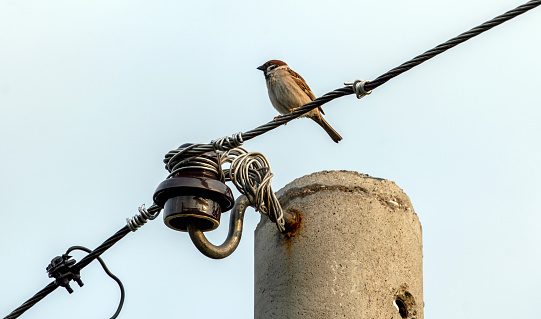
239,138
103,247
133,224
251,173
137,221
197,163
227,158
180,156
452,43
176,158
80,265
32,301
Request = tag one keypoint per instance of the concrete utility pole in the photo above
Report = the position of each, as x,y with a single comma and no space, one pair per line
357,253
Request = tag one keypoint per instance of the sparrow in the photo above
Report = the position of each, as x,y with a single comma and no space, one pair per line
288,91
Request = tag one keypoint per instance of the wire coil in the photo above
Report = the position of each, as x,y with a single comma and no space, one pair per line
250,172
230,144
137,221
358,88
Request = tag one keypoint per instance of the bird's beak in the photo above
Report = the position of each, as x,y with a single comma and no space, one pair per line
261,67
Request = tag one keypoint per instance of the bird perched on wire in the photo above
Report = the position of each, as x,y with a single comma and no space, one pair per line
288,91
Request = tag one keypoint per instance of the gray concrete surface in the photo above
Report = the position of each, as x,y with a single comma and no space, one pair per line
357,254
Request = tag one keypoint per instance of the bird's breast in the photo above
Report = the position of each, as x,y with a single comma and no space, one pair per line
285,94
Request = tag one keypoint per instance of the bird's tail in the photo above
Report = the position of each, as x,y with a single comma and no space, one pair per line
328,128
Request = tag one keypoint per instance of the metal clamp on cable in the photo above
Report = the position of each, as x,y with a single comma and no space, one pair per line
61,268
358,88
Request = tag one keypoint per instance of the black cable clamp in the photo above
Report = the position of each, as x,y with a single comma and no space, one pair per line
61,268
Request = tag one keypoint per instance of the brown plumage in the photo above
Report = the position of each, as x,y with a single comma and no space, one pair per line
288,91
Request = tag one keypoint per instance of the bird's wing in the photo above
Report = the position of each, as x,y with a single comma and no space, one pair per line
304,86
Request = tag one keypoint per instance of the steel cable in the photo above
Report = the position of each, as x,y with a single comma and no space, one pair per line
177,157
32,301
80,265
236,140
452,43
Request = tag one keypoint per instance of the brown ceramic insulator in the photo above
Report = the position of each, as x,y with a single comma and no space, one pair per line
194,194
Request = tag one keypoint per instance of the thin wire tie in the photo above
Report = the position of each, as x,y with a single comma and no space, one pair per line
358,88
227,143
137,221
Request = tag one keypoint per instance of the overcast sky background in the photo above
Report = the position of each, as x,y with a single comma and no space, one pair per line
94,94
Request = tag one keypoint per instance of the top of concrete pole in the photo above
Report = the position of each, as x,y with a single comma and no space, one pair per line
356,254
393,196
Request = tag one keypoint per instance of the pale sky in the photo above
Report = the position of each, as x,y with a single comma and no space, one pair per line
94,94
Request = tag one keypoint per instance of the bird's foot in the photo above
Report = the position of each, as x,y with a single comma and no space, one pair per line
277,117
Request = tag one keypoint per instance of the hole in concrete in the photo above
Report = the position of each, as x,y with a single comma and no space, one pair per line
402,309
405,302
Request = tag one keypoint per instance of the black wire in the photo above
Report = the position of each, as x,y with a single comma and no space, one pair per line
32,301
80,265
103,247
109,273
452,43
197,149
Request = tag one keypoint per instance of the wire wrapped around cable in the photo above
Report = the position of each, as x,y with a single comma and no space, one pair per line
179,156
250,172
230,142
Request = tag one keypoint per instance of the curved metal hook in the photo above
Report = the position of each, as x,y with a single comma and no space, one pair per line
233,237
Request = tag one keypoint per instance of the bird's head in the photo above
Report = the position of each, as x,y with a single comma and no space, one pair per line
271,65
